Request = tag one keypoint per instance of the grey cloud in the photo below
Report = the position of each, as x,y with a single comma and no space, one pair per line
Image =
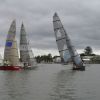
79,17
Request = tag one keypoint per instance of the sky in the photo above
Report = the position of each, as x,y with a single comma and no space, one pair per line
81,19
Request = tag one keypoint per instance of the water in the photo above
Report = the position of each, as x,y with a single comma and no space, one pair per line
51,82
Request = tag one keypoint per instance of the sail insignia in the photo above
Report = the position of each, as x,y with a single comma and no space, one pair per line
8,44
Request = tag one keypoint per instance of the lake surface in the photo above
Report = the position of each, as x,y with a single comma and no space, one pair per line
51,82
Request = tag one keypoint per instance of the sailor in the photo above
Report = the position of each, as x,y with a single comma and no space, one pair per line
25,64
5,62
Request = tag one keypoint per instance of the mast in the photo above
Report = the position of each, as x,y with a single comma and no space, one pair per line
64,44
11,50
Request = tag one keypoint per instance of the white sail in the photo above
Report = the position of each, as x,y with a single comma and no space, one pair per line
26,54
61,39
11,50
32,61
1,60
65,47
23,45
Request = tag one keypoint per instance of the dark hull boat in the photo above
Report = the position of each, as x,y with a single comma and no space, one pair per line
79,68
66,49
29,68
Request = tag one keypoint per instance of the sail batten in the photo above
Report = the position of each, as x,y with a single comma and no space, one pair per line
66,49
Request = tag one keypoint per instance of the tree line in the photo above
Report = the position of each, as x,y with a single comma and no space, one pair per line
44,58
87,52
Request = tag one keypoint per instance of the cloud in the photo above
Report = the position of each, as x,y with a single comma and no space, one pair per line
79,17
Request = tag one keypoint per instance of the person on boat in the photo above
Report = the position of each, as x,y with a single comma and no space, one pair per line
6,63
25,64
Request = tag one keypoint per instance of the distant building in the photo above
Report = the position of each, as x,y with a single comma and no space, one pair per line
96,59
57,59
87,59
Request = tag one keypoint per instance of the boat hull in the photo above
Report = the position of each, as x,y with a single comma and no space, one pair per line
79,68
29,68
13,68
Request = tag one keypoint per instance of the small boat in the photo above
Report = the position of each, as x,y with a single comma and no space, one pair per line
75,67
26,54
78,68
11,58
66,49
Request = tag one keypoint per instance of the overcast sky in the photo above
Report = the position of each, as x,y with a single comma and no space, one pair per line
81,19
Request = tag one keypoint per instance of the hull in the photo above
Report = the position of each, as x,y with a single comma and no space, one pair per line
79,68
10,68
29,68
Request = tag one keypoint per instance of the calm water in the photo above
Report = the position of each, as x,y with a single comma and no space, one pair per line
51,82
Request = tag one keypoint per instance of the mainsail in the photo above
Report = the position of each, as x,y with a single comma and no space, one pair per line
66,49
11,50
26,54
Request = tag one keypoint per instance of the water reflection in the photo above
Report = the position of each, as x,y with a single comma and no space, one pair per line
15,85
64,88
51,82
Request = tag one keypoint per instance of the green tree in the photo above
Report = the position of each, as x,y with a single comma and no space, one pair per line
44,58
88,50
38,59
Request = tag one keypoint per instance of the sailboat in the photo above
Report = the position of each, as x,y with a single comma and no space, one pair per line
66,49
26,54
11,58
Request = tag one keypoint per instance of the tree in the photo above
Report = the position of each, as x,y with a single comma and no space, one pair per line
82,54
88,50
44,58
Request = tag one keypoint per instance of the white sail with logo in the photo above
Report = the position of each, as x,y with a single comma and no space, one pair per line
66,49
11,51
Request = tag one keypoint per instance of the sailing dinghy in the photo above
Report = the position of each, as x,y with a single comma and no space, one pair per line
66,49
11,59
26,54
